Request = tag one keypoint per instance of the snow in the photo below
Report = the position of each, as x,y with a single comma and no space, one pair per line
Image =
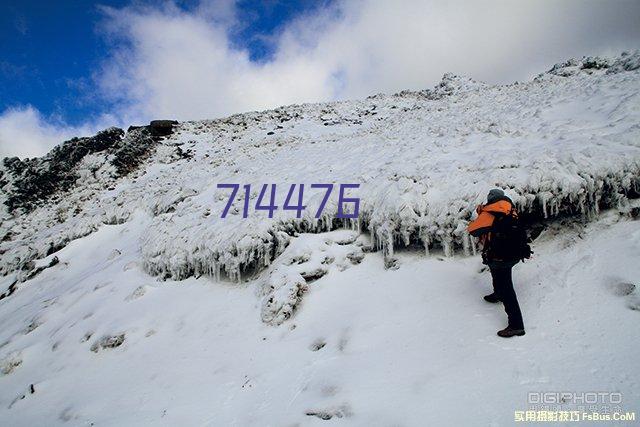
372,346
558,145
133,303
306,259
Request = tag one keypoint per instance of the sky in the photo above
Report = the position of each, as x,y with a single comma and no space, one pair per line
72,67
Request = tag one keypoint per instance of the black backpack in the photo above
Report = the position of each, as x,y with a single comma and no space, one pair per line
509,240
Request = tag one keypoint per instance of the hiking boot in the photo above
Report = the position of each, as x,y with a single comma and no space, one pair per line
492,298
509,332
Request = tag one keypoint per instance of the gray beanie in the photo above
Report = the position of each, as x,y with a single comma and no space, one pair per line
494,195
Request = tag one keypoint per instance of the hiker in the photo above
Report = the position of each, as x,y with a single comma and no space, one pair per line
503,244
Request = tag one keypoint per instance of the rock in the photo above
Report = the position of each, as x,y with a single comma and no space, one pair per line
313,274
162,127
32,181
132,128
133,150
356,256
32,271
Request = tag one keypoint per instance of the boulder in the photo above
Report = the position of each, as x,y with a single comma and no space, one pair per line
162,127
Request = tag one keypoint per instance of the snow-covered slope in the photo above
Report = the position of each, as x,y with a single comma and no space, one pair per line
128,299
423,159
370,347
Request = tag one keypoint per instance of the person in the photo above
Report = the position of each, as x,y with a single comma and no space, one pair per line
499,260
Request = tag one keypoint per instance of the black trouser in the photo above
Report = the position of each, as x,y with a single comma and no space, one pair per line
503,288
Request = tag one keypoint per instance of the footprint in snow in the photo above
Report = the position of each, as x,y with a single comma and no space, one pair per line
114,254
634,303
130,265
342,411
317,345
344,340
329,390
101,285
30,390
108,341
622,289
628,291
137,293
67,415
33,325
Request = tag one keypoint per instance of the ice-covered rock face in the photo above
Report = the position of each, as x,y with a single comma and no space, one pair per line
565,143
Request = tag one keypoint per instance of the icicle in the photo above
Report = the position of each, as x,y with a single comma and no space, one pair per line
426,241
474,248
465,243
447,247
385,236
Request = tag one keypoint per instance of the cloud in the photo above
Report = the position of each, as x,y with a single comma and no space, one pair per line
179,64
24,132
168,62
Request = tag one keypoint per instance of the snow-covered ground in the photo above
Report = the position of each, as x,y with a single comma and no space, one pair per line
129,301
372,347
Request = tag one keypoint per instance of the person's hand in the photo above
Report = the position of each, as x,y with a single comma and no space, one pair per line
479,208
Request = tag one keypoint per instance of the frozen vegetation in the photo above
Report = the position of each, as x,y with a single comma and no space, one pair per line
118,271
564,143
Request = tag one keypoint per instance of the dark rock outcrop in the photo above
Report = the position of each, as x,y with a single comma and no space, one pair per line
33,180
29,182
132,150
162,127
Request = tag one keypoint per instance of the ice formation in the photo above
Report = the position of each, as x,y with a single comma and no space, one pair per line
567,142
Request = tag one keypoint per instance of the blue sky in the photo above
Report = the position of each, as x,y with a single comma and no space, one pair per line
71,67
50,49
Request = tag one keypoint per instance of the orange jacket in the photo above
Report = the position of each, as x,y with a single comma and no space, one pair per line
481,226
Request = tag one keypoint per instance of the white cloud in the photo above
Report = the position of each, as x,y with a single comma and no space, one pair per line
165,62
180,65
